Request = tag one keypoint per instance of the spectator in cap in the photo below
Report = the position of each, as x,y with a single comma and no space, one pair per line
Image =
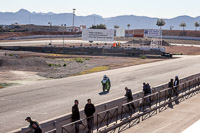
34,125
129,98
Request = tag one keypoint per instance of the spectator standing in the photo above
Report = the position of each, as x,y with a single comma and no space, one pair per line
129,97
76,115
171,86
176,85
34,125
147,91
89,111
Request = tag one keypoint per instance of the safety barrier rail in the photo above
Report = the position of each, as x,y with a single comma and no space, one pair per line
80,124
135,111
107,117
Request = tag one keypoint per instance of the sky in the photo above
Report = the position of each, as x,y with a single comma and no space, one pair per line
107,8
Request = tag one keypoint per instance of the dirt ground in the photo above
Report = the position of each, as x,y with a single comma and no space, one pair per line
25,67
183,50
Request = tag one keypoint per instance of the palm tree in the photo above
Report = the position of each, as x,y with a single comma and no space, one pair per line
160,22
183,24
196,24
116,26
98,26
128,25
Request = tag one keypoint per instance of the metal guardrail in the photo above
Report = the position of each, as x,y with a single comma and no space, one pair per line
107,117
81,124
139,110
120,117
158,102
51,131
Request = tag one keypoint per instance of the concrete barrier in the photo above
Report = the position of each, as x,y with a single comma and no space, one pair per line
182,38
58,122
42,36
87,50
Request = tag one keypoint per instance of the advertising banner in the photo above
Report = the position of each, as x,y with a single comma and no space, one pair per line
98,35
120,32
153,33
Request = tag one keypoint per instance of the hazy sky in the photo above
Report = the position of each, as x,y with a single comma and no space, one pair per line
107,8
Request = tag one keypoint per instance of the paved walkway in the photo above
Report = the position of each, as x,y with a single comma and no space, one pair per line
182,118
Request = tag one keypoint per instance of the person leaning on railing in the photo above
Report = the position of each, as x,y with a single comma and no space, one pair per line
34,125
129,97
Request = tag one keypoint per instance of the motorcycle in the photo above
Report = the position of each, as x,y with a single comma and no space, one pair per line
105,85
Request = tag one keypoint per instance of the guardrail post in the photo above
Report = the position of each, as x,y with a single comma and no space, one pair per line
59,128
97,122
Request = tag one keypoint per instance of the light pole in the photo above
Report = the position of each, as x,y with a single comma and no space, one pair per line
171,27
73,17
64,25
94,19
50,24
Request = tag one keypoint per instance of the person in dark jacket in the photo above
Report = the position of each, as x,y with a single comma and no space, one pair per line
89,111
171,86
176,85
34,125
76,115
147,91
129,97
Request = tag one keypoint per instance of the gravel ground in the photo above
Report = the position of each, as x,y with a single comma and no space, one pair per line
19,67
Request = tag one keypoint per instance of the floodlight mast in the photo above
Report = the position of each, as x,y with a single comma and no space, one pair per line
73,17
50,24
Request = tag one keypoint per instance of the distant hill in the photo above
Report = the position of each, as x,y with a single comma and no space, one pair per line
137,22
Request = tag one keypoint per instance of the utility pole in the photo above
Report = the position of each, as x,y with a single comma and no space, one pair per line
73,16
94,19
73,19
64,28
50,24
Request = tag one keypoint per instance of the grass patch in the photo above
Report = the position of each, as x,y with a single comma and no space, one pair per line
4,85
79,60
143,57
64,59
54,65
95,69
56,54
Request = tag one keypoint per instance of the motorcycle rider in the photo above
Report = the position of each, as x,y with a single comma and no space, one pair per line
106,81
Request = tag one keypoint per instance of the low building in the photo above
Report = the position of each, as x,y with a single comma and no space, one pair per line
82,27
32,27
49,28
73,29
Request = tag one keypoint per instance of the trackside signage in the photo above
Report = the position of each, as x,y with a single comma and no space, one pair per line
154,33
98,35
120,32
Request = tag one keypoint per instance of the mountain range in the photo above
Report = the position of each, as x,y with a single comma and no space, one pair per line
137,22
